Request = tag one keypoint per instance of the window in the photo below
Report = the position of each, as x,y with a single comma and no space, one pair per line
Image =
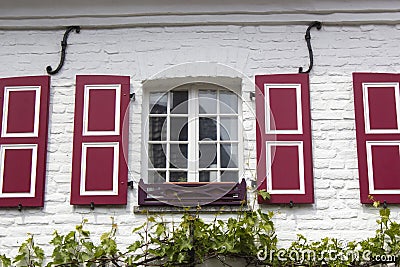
193,135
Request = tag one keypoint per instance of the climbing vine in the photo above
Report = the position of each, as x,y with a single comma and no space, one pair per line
250,236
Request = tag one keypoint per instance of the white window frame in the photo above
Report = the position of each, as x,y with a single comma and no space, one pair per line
193,117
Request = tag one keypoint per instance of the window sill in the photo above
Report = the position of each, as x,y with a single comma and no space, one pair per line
204,209
192,194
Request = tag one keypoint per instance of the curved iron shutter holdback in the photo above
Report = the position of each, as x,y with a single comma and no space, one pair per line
318,25
64,44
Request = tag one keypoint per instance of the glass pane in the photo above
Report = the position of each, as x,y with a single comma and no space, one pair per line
229,129
178,156
208,102
179,129
157,177
229,176
179,103
208,156
158,103
208,129
157,129
229,155
157,156
178,177
208,176
228,103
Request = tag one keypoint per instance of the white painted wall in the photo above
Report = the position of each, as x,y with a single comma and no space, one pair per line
259,39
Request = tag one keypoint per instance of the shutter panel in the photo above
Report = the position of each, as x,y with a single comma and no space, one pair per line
377,112
23,140
99,169
284,155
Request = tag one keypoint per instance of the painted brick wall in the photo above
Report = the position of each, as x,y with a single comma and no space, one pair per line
230,51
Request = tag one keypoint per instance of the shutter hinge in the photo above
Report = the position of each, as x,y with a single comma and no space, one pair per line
252,95
130,184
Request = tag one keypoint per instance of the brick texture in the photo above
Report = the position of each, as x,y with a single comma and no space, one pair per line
233,51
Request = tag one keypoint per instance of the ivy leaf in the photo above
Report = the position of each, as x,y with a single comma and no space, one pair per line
264,194
376,204
138,228
181,257
160,229
5,261
137,244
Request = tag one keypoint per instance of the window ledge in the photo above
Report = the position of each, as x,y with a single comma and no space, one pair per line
205,209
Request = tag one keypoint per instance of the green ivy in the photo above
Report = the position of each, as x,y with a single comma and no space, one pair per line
250,235
28,254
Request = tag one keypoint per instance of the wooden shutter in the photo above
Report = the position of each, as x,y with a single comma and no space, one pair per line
99,170
284,155
23,140
377,110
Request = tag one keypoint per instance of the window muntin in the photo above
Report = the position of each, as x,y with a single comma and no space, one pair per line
193,135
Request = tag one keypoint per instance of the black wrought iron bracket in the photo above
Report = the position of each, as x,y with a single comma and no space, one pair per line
64,44
318,25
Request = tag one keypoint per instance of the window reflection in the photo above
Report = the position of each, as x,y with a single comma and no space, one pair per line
208,128
158,103
157,155
157,128
203,128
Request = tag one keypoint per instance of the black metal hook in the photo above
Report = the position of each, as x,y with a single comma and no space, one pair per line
318,25
64,44
252,95
132,96
130,184
92,205
385,204
291,204
20,207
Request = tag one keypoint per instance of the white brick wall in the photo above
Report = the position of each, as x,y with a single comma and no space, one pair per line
230,51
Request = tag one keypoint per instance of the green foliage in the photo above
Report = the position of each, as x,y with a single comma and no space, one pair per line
249,235
5,262
263,194
194,240
29,254
73,248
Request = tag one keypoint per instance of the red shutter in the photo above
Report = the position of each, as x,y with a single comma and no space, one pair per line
284,155
99,169
23,140
377,110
